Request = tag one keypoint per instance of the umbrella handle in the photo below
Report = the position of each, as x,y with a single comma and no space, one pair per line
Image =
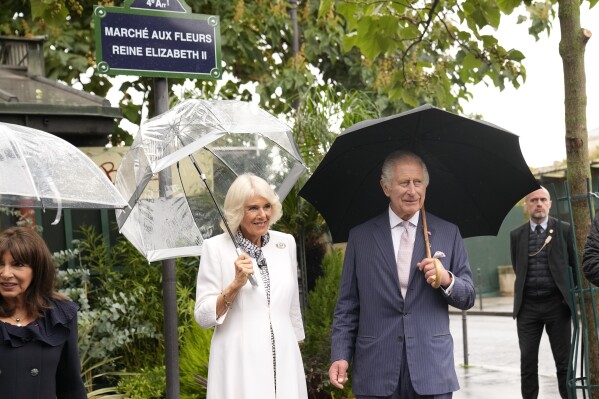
427,245
251,277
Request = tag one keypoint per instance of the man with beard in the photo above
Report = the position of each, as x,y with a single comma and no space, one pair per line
541,294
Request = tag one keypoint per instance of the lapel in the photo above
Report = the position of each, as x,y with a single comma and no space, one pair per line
419,251
551,231
382,237
522,262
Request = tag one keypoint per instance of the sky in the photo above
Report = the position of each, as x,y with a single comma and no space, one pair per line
535,111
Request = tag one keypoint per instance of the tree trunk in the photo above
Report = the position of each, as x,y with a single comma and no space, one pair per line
572,49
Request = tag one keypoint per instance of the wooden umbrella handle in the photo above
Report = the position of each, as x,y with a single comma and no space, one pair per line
438,265
425,231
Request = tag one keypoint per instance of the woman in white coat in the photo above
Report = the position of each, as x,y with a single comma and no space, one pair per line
254,351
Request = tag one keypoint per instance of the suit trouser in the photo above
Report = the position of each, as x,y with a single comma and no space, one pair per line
404,389
553,314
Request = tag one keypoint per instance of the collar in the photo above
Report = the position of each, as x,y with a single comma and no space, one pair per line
543,224
394,220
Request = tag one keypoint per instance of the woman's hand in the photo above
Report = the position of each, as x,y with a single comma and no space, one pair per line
243,269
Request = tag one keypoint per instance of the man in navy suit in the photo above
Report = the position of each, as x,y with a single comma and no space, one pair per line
390,322
540,249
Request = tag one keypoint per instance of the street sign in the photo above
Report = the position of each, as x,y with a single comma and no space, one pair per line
157,38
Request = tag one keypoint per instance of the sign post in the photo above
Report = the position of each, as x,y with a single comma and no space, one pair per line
160,39
147,38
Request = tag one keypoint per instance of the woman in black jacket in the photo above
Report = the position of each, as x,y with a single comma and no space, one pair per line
39,357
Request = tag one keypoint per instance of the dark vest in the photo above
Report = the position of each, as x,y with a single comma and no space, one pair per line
539,281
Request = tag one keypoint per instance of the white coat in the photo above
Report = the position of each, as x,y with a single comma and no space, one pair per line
241,362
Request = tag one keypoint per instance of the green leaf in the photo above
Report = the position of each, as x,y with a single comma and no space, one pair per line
348,11
325,7
408,97
409,31
516,55
491,13
53,13
464,35
375,36
470,62
508,6
489,41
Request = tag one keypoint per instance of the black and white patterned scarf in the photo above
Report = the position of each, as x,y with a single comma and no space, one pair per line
256,252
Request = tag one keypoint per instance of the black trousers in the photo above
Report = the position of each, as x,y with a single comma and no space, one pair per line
553,315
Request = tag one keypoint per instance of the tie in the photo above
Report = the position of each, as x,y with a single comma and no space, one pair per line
538,229
404,258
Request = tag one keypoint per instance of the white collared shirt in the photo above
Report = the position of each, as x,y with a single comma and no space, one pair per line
394,224
543,224
396,229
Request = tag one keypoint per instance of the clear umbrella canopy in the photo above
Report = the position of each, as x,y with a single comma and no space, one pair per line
171,216
40,170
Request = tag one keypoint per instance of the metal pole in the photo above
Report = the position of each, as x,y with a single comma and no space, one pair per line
295,41
302,266
465,335
480,289
169,273
303,272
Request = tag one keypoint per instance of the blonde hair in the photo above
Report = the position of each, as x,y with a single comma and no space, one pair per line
244,187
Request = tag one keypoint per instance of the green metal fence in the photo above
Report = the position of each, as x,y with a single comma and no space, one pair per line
579,373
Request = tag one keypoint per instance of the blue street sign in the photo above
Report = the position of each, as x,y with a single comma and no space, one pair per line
153,38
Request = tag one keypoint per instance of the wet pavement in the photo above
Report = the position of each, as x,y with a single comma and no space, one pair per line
491,368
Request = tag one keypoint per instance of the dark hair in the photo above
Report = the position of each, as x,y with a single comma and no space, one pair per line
28,247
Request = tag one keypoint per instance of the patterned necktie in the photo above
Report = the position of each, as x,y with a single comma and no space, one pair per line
404,258
538,229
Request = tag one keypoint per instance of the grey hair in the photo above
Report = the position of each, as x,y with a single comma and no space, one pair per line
399,156
247,186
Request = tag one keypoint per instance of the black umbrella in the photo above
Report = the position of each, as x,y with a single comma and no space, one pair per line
477,171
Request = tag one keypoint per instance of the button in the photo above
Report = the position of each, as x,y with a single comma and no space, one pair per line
34,372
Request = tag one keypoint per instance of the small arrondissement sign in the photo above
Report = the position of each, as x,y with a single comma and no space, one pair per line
157,38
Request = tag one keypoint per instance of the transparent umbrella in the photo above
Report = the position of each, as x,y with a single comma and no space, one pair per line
40,170
215,139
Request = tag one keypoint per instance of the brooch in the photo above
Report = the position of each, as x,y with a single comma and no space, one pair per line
281,245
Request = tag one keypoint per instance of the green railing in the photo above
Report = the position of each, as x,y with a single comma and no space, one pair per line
579,372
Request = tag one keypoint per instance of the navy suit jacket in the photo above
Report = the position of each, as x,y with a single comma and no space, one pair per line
372,320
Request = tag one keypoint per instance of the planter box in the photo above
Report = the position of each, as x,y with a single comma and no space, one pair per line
507,277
